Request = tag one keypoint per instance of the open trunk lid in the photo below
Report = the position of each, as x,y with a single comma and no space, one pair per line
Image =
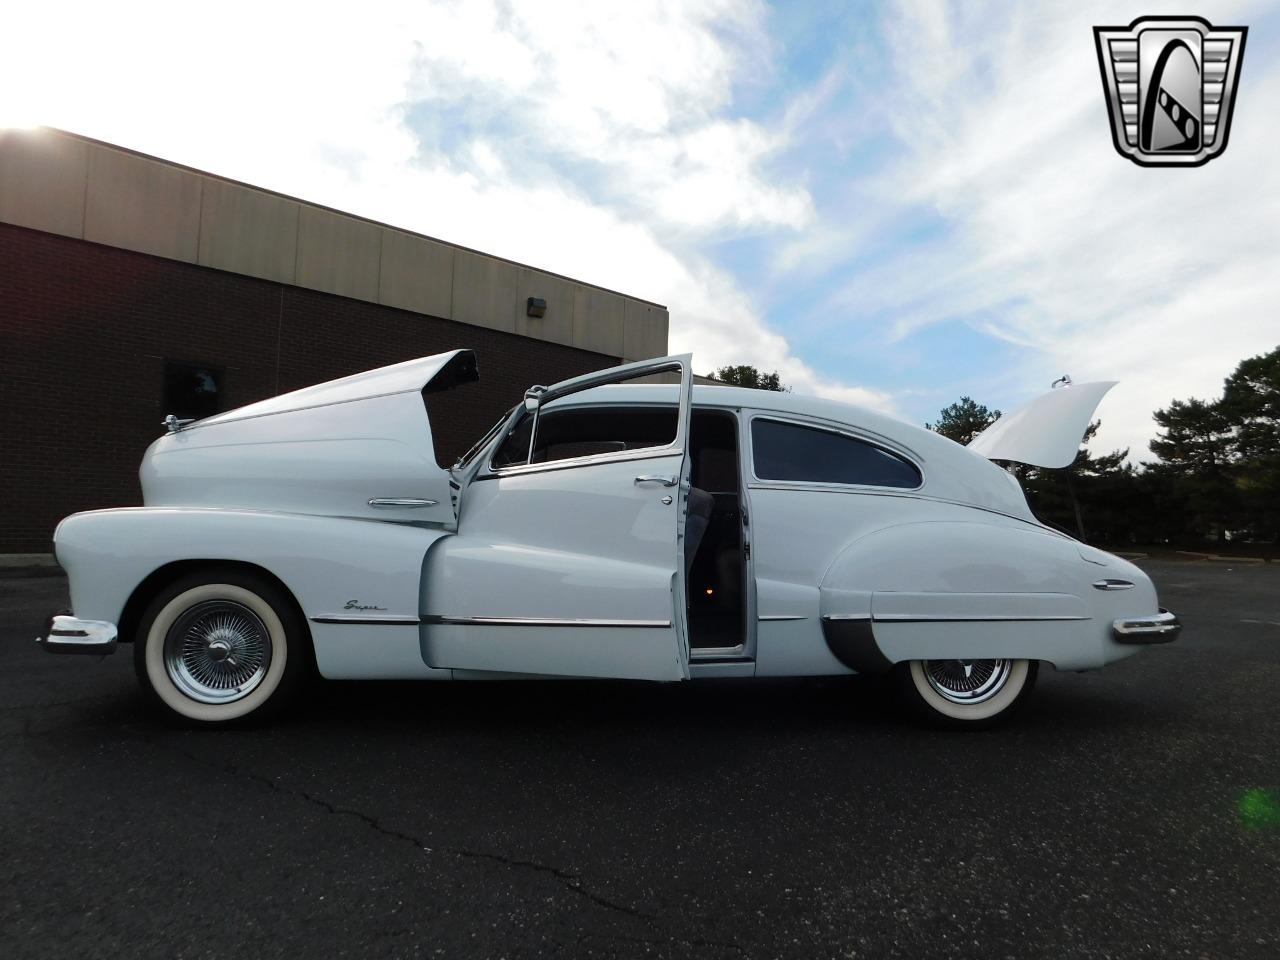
1047,431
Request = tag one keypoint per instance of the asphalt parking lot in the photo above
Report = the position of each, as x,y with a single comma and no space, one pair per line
1129,813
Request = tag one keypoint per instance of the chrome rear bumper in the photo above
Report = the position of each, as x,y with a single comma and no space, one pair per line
1161,628
65,634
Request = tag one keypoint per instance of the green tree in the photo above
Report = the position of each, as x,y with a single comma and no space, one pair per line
963,420
745,375
1094,493
1251,405
1196,448
1092,497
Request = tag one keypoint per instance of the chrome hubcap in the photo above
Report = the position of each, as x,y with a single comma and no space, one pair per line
217,651
967,681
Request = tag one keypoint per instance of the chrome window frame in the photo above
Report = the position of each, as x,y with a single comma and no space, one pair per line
840,429
476,451
602,378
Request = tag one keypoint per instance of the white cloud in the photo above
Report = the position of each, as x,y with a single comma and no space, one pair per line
637,97
1160,278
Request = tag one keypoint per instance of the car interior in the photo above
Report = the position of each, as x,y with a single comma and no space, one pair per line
714,570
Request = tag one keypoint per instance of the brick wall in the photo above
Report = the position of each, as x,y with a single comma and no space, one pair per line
85,331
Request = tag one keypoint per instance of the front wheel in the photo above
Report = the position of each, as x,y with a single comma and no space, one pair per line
966,693
220,646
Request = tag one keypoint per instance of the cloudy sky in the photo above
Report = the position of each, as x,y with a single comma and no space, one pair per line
894,203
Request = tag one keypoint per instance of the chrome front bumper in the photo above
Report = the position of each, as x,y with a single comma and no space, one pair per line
1161,628
65,634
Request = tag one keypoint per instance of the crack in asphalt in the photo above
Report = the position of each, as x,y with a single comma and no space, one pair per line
570,881
691,941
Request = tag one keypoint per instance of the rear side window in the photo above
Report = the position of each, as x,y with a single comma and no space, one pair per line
788,451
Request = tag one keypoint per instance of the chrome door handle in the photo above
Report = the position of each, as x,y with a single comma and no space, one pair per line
401,502
654,478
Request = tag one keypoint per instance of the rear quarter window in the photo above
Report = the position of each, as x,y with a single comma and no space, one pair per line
792,452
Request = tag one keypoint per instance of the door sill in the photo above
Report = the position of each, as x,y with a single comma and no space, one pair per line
702,654
702,670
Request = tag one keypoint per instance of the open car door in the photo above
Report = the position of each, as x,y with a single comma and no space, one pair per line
569,555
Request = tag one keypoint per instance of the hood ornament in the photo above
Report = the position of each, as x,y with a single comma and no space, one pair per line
1062,381
173,424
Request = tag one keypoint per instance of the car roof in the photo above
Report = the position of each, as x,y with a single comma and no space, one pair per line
951,471
715,395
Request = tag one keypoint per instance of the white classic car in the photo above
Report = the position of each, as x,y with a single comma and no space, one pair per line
649,530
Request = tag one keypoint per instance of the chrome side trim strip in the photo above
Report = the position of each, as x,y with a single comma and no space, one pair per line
541,622
969,618
390,621
1109,584
402,502
778,617
837,617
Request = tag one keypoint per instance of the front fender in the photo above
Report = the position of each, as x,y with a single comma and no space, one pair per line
968,589
327,563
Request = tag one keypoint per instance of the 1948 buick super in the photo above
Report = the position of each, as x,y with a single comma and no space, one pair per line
647,530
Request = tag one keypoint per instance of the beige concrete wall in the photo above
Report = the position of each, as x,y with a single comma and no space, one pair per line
247,231
598,320
42,181
484,291
416,274
142,205
76,187
557,324
338,254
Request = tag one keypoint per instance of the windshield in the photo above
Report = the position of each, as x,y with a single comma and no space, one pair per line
483,442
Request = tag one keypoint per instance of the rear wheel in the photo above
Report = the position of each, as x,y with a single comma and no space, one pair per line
221,646
966,693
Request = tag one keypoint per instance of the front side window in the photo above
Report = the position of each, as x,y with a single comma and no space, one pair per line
789,451
587,431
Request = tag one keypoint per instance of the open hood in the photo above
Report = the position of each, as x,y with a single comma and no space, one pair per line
357,447
1045,432
442,371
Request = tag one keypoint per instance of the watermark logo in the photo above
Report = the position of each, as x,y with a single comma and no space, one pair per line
1170,84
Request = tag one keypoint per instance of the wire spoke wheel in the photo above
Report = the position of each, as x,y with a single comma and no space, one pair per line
969,694
967,681
217,651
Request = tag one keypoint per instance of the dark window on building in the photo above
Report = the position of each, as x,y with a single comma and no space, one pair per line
192,391
788,451
565,434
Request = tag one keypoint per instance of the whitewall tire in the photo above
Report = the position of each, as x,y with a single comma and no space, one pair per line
966,693
221,646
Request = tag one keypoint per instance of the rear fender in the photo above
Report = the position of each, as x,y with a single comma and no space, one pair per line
943,590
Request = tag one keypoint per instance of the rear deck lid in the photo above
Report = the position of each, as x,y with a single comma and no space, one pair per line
1045,432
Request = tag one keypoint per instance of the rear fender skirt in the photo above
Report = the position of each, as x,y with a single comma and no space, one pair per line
852,642
903,626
